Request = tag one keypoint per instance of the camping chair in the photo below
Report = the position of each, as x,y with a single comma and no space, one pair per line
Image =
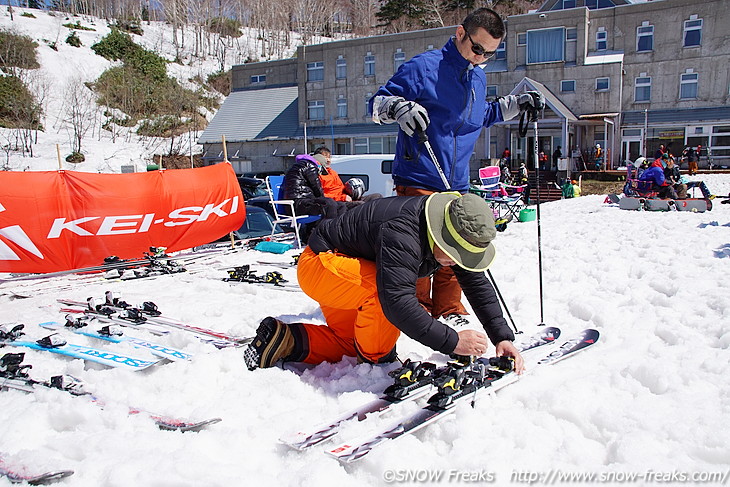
284,209
505,200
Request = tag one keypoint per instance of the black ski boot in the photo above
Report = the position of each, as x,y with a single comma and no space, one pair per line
274,341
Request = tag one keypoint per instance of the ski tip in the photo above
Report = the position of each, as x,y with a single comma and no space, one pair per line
50,477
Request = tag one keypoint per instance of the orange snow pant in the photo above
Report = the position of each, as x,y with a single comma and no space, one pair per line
346,291
444,296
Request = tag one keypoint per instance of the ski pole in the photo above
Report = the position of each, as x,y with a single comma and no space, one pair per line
422,137
534,115
501,300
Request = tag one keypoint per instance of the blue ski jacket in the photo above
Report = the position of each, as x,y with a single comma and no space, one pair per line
453,92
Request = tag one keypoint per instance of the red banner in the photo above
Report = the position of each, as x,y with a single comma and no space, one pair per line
59,220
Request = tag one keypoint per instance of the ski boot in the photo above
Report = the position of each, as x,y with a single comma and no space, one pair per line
274,341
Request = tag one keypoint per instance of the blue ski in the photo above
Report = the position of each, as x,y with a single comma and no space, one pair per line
55,344
114,334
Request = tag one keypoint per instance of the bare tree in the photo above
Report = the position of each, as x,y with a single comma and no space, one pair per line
78,109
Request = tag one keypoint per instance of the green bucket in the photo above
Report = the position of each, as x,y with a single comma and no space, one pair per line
527,215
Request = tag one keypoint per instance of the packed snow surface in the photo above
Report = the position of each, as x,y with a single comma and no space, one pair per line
650,398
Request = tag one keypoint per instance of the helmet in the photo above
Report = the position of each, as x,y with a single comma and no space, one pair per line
355,188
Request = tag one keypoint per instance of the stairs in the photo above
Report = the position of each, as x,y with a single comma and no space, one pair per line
548,190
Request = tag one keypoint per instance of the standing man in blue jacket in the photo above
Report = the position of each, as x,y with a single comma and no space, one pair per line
443,93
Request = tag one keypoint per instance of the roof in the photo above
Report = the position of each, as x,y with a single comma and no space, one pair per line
552,101
677,115
255,114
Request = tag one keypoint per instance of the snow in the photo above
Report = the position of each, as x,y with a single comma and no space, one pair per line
70,65
651,396
650,399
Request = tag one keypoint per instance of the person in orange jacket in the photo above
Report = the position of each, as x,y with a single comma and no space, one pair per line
332,185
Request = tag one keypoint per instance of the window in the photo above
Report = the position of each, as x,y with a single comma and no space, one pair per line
721,140
645,37
369,65
692,32
688,85
545,45
571,34
567,86
258,78
315,110
522,39
603,84
399,58
601,40
642,91
361,145
367,104
341,107
492,91
315,71
341,68
563,4
501,51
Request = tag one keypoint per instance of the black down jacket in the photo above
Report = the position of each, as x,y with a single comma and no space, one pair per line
302,179
392,233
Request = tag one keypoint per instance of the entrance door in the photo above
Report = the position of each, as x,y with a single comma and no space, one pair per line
630,149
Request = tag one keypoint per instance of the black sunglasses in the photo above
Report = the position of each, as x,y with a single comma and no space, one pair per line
478,49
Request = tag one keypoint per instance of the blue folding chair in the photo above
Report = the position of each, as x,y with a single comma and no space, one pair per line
284,213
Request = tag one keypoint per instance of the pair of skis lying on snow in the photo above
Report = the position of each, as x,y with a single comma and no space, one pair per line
147,317
19,473
455,383
14,375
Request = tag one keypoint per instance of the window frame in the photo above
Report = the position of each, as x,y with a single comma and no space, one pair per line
369,61
639,36
315,105
608,84
341,68
638,85
341,101
695,82
258,79
563,85
604,34
315,67
399,57
686,30
563,34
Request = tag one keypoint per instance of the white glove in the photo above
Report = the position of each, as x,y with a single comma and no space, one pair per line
512,105
410,115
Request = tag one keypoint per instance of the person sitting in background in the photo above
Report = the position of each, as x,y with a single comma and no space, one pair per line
351,192
673,177
302,184
655,176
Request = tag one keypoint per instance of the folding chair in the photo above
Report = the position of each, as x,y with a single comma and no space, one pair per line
284,213
505,200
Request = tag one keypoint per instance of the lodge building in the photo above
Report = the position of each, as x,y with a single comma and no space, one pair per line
628,75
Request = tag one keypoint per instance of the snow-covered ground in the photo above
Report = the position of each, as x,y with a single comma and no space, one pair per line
650,399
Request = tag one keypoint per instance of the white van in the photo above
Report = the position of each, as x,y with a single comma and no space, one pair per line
375,170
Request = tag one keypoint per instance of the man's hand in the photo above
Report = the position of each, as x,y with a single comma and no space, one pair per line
506,348
411,117
471,342
531,100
